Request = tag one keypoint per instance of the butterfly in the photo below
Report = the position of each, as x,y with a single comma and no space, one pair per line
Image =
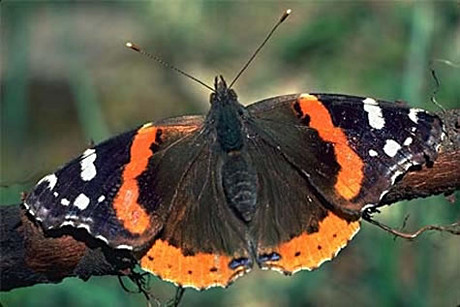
282,183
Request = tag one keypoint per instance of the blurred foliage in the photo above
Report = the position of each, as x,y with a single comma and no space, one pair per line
67,79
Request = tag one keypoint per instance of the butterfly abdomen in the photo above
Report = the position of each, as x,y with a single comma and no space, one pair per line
239,181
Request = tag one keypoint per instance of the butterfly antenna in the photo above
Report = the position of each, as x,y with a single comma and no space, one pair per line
280,21
137,48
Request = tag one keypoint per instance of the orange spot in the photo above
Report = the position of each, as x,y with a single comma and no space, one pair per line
309,251
127,209
350,176
199,271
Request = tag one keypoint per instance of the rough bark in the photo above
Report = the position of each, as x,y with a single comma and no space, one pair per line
29,257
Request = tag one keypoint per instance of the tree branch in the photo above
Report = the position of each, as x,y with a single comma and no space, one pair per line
29,257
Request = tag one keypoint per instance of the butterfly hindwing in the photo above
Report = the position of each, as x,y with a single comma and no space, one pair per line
292,229
203,243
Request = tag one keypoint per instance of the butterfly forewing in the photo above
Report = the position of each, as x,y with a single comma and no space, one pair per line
113,189
352,149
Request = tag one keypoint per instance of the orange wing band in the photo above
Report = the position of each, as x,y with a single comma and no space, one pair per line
350,176
128,210
199,271
309,251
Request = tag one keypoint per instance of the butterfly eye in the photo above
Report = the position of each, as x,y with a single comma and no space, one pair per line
213,98
232,94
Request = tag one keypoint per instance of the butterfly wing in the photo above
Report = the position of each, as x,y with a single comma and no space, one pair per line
156,190
203,244
292,229
351,149
113,189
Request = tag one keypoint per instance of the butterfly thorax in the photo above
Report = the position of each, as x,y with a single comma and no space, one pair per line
239,180
226,113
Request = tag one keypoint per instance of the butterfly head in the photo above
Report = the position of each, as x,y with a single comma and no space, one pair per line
222,94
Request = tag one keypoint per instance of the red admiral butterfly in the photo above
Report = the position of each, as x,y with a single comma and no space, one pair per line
282,183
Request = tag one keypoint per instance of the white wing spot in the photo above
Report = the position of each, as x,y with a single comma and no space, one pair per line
102,239
81,202
67,223
396,175
413,115
373,153
88,169
391,148
28,208
51,179
124,246
443,136
383,194
65,202
56,194
84,226
101,199
368,206
408,141
146,125
374,113
88,152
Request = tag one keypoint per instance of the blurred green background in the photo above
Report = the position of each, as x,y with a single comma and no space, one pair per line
66,79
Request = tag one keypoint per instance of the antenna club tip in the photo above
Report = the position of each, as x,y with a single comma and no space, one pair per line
285,15
133,46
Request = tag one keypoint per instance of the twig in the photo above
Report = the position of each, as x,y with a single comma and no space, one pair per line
177,298
453,228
